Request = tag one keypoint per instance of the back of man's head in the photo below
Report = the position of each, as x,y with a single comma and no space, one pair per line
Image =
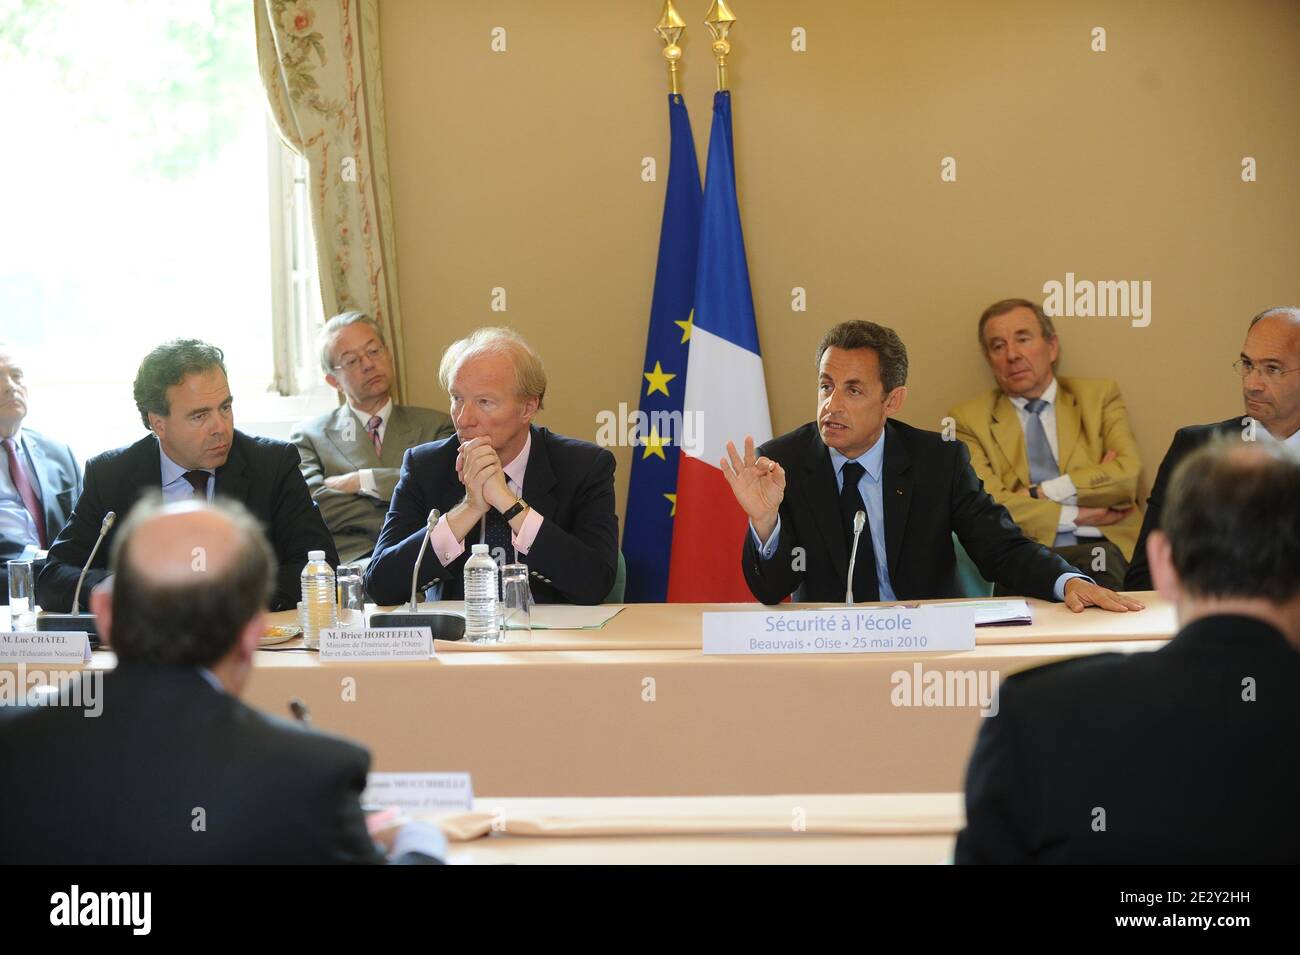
1232,517
187,579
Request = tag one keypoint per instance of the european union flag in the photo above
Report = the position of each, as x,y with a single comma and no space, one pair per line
652,485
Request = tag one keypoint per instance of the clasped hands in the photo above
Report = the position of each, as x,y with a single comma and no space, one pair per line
480,470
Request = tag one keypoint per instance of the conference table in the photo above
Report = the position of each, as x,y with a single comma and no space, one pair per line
636,709
904,828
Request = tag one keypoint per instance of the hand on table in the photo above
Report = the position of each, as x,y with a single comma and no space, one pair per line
1081,593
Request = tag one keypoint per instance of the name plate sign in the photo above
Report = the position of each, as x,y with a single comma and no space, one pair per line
44,646
847,630
414,643
444,792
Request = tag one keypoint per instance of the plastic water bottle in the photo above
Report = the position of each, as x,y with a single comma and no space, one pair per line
481,624
318,599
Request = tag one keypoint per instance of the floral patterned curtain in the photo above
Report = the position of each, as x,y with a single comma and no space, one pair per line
319,61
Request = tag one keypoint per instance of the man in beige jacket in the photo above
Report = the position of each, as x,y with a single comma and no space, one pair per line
1058,453
351,456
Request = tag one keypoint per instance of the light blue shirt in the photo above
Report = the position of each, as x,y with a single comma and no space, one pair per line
872,490
16,523
174,485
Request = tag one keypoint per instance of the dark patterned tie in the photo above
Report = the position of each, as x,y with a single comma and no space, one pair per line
496,535
18,474
865,584
373,427
199,481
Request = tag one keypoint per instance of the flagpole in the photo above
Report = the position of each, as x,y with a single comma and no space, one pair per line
670,29
720,20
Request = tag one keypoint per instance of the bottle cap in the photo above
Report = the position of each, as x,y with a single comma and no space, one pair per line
479,549
315,555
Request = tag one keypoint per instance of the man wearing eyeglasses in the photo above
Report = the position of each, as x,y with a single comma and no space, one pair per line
351,457
1270,388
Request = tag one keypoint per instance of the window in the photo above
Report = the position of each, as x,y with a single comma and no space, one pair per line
140,168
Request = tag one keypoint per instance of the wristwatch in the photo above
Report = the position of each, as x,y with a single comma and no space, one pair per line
515,510
1033,490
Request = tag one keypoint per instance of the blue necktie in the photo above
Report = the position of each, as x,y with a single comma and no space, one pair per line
1042,463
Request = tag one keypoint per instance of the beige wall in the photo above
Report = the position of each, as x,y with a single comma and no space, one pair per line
522,169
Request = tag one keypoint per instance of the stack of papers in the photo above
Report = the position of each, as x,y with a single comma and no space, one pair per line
997,613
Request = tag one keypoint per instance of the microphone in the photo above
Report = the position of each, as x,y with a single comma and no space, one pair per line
300,712
414,604
445,625
859,521
77,621
104,527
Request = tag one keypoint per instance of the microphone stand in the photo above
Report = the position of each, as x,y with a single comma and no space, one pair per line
444,624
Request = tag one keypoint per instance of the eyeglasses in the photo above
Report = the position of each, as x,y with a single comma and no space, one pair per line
1244,366
373,354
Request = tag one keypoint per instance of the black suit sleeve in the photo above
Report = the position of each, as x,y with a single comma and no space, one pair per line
388,575
1138,576
583,562
994,541
68,553
774,579
296,528
999,802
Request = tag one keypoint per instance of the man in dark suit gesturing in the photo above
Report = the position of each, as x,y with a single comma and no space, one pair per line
163,764
566,531
915,489
194,450
1269,366
1184,755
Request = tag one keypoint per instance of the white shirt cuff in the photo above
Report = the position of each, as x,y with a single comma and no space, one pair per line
368,482
768,548
1065,524
1060,489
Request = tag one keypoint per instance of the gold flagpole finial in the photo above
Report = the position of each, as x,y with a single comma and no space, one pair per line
720,20
670,29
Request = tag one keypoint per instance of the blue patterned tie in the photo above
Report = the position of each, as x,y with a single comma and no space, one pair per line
1042,463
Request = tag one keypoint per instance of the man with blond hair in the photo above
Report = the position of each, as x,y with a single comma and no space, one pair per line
531,495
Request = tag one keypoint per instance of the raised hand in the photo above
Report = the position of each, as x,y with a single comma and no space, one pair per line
757,482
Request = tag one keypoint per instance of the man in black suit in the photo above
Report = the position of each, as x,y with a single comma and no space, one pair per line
194,451
1184,755
39,477
1269,366
168,766
566,531
915,489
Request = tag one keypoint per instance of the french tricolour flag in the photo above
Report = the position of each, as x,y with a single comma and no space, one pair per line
725,390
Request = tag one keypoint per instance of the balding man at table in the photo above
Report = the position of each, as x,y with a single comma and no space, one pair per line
182,771
39,476
1269,366
1184,755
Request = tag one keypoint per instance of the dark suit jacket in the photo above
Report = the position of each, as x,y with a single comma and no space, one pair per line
1185,769
570,483
260,473
334,443
123,787
1186,440
930,492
